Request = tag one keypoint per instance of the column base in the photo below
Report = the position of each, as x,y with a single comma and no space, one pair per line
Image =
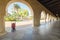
36,25
2,34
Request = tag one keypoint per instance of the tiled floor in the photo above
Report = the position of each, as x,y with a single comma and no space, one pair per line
47,31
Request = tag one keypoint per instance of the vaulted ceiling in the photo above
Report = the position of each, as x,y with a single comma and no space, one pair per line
52,5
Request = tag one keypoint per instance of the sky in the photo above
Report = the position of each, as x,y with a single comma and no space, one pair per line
24,6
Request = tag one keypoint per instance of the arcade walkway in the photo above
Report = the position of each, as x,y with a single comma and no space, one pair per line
48,31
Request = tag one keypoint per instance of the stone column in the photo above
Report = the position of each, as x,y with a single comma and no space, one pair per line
2,26
50,18
45,17
37,16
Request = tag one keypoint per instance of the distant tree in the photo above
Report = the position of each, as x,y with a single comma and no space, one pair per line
23,13
16,7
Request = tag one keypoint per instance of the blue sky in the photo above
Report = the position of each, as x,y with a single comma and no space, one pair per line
20,4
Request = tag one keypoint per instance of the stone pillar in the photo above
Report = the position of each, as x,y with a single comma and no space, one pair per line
48,17
51,18
37,16
2,26
45,17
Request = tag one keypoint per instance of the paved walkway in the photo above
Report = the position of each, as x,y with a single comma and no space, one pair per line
47,31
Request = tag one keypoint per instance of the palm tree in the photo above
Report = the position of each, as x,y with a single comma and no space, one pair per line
16,9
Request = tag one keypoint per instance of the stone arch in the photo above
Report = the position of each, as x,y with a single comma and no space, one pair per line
35,9
33,5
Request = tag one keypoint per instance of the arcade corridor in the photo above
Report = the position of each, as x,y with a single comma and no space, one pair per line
46,31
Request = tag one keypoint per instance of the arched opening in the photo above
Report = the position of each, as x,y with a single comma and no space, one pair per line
19,13
43,17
